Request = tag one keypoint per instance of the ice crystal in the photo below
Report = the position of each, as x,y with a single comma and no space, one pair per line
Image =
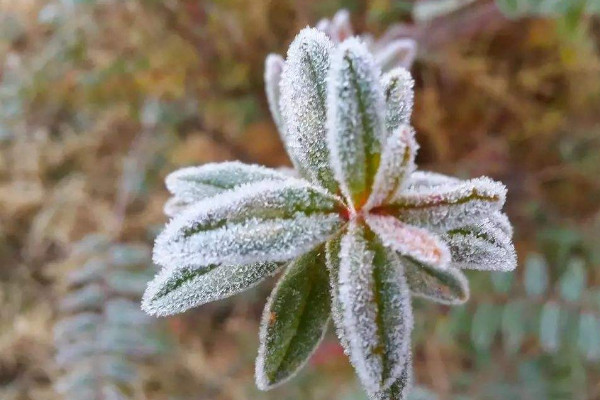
356,228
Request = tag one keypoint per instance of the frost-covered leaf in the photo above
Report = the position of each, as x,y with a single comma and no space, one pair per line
176,290
273,70
410,241
376,311
332,253
260,222
536,275
400,389
483,246
445,286
294,321
303,105
396,165
341,27
398,85
399,53
449,206
355,119
192,184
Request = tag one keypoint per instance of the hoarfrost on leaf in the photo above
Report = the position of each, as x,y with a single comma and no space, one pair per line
376,311
355,119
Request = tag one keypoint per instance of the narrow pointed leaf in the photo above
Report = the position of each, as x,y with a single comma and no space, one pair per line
399,53
303,99
483,246
175,290
447,286
192,184
294,321
449,206
355,119
410,241
397,164
376,311
400,389
398,85
260,222
273,70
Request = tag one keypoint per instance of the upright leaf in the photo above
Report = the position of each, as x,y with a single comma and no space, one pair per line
398,85
400,53
397,163
303,105
376,311
355,119
273,70
294,321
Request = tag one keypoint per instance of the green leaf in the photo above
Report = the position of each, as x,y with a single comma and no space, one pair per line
485,325
536,275
445,286
502,281
399,97
573,282
176,290
192,184
303,106
550,328
355,119
588,340
376,311
263,222
513,326
400,389
294,321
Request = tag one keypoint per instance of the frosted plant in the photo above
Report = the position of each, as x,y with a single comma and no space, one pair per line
357,232
102,335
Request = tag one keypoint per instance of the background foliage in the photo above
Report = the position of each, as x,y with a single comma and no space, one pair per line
100,99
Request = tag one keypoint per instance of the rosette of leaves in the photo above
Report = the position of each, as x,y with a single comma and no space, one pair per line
102,336
357,234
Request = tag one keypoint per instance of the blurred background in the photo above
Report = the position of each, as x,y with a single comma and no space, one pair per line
100,99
